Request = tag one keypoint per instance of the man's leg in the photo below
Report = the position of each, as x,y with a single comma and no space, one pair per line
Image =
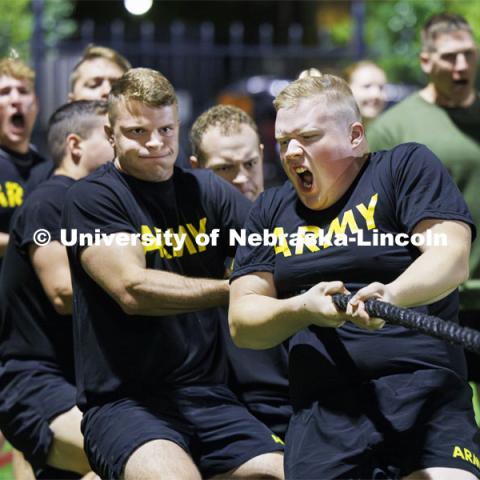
267,466
160,459
22,470
66,451
441,473
229,441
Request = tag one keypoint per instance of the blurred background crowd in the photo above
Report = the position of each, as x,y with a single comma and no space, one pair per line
234,52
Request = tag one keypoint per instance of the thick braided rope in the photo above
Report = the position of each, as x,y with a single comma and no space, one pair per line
467,338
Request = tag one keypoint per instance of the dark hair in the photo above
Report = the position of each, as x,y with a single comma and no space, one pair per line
442,23
74,117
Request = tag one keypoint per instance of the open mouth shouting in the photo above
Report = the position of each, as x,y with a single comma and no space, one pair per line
17,120
305,177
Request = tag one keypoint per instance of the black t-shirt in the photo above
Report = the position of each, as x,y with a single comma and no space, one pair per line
257,376
393,192
467,119
39,174
131,355
14,172
31,328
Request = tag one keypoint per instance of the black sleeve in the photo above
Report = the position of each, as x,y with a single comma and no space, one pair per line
40,213
94,208
424,188
233,207
230,206
248,258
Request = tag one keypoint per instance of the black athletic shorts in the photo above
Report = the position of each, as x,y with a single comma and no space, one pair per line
208,422
273,414
32,394
386,428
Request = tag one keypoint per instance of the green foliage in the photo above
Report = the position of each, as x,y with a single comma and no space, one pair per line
15,27
342,32
393,32
57,23
16,24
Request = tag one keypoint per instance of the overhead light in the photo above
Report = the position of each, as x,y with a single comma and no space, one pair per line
138,7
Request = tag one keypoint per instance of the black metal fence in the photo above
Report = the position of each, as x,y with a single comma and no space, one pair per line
190,57
195,62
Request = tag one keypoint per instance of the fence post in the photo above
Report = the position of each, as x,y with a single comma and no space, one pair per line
236,50
358,15
147,39
87,29
177,38
38,43
117,34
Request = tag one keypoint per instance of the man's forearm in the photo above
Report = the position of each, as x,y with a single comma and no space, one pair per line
431,277
3,243
259,322
155,292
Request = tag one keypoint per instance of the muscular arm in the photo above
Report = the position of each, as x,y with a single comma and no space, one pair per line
121,271
50,263
259,320
432,276
3,243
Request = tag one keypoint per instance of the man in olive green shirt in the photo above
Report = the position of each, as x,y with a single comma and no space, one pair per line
445,116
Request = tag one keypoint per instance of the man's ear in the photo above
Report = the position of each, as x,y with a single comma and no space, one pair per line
425,63
194,162
357,134
109,133
261,149
74,147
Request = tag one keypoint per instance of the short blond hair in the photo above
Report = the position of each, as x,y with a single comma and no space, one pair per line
93,52
310,72
333,89
144,85
15,68
227,118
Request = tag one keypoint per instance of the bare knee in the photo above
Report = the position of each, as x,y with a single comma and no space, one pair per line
66,451
22,470
441,473
158,460
268,466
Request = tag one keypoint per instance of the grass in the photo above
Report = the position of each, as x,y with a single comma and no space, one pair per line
6,472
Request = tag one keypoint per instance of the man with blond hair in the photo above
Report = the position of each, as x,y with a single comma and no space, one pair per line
225,140
92,76
18,111
152,373
369,402
91,79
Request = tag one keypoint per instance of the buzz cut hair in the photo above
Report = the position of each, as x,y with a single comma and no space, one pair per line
333,89
439,24
143,85
16,68
228,118
93,52
80,117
